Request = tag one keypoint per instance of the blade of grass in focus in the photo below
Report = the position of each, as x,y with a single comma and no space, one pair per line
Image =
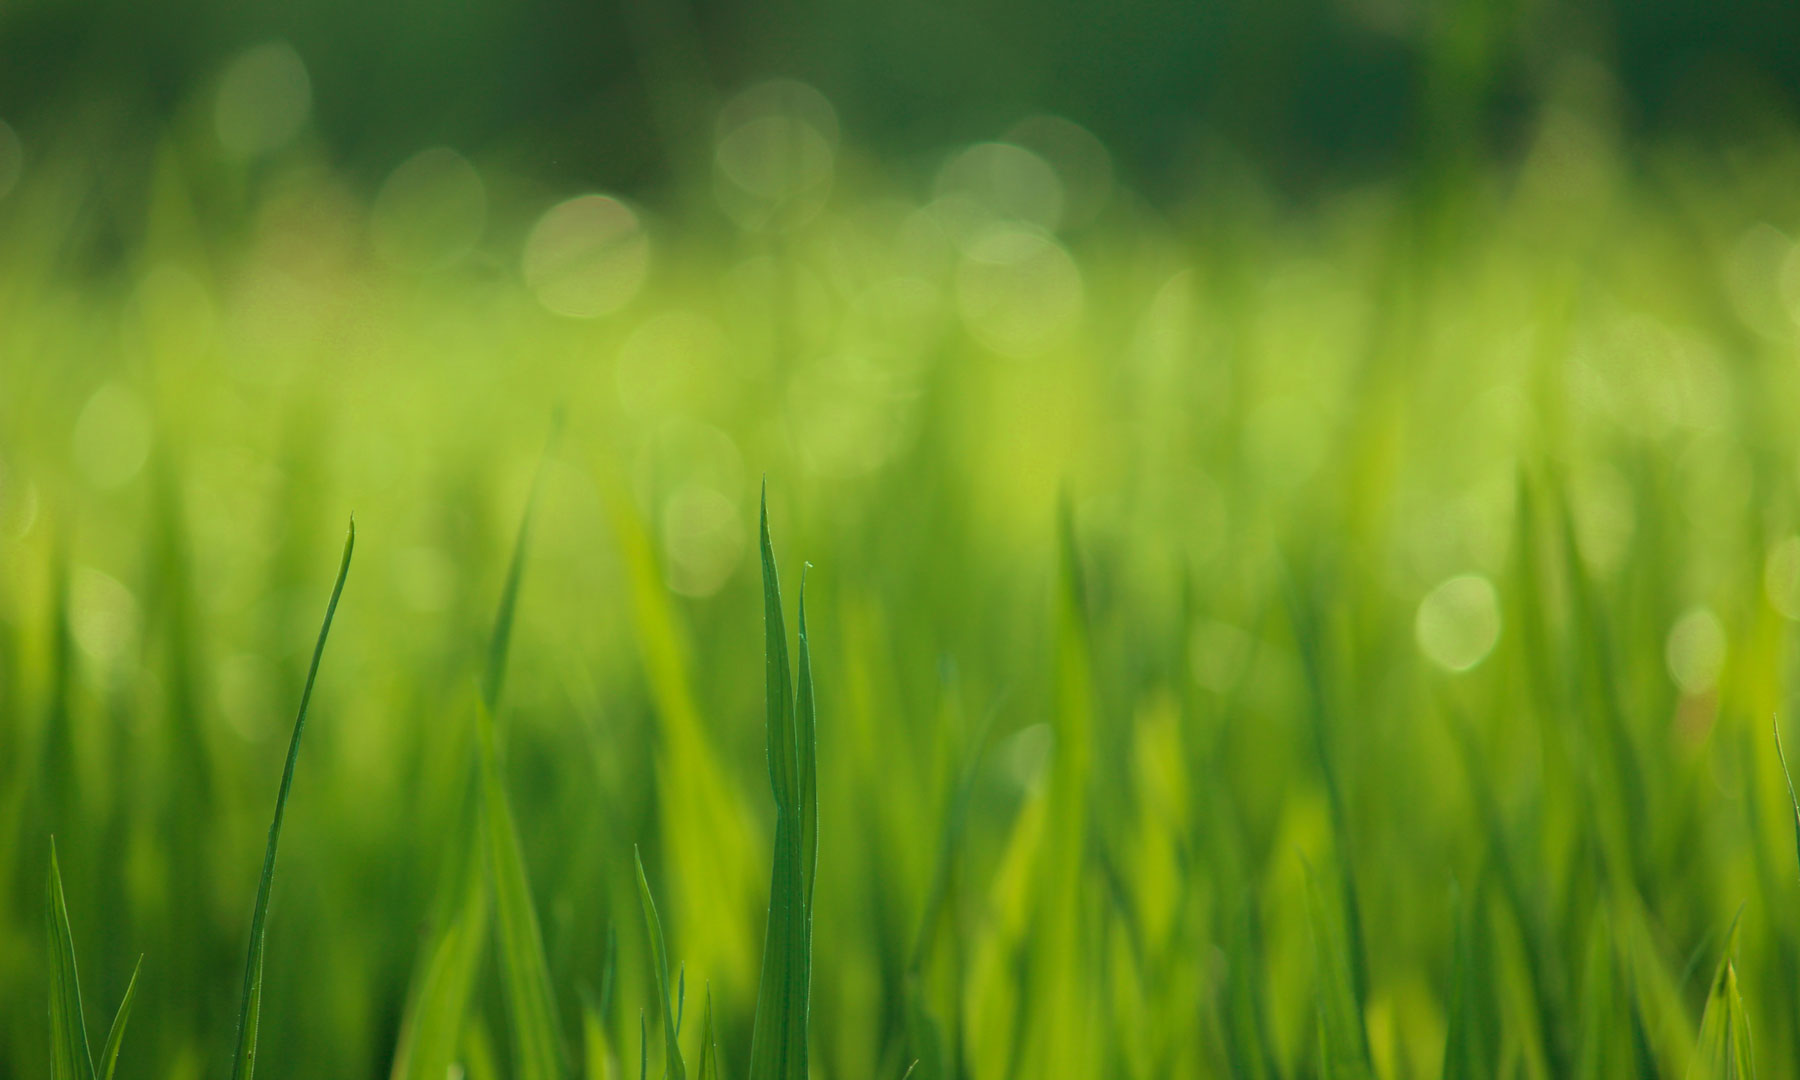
1788,775
115,1036
1724,1051
709,1045
778,1042
69,1055
250,1010
673,1066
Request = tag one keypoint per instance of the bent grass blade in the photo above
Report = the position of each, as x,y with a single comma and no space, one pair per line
250,1010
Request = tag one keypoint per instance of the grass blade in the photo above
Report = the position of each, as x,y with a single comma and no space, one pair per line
709,1044
69,1056
250,1010
109,1057
673,1066
433,1025
778,1041
1788,775
1724,1052
525,976
1343,1042
493,676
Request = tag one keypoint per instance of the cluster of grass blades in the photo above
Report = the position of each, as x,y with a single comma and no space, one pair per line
70,1055
434,1033
71,1058
1630,1019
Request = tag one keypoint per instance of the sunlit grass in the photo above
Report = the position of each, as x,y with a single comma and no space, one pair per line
1247,639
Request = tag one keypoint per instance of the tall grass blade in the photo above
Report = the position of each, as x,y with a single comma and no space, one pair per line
1788,775
115,1036
673,1066
69,1055
1061,1000
524,973
1724,1051
778,1040
243,1063
710,853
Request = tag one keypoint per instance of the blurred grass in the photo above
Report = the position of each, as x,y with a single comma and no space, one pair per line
1444,539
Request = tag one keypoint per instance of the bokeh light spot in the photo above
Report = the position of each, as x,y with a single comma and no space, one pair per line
775,154
430,212
1005,182
587,257
111,437
1458,623
1696,650
1018,290
263,101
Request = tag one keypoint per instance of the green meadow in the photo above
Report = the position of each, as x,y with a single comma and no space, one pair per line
843,618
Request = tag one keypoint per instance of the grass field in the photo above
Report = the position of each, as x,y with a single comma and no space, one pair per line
1270,637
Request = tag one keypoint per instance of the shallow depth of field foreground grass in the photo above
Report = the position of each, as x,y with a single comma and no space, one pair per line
1334,638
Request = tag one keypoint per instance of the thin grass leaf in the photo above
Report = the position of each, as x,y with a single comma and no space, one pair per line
703,814
433,1025
69,1055
1724,1051
1788,775
673,1066
778,1040
243,1063
524,973
493,676
115,1037
709,1044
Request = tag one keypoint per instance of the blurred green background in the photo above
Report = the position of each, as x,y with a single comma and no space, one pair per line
1419,382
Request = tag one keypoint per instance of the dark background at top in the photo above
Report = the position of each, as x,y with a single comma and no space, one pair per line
1307,90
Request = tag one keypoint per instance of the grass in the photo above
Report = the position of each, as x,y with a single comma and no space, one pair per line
1340,640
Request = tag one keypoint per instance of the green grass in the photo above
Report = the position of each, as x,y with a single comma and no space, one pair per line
1338,640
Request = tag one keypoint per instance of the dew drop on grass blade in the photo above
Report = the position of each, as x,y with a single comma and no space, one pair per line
250,1010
